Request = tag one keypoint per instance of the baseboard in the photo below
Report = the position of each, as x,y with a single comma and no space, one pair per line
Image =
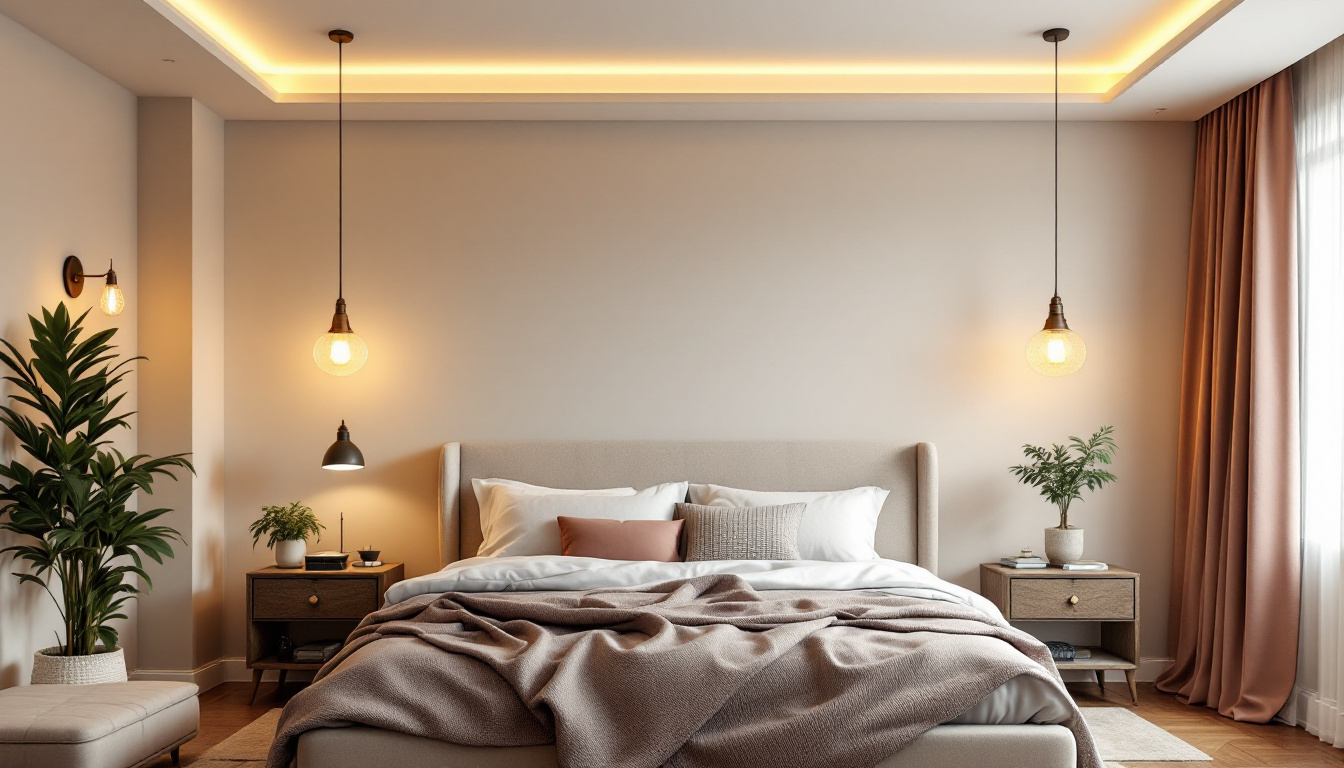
1148,671
1320,717
205,677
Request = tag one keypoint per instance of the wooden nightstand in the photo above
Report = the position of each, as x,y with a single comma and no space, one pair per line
1110,598
308,606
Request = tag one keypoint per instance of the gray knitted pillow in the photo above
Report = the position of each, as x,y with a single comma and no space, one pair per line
741,533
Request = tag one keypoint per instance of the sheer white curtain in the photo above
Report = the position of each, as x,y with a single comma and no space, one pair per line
1319,115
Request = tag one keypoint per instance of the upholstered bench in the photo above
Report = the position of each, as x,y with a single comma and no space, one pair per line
113,725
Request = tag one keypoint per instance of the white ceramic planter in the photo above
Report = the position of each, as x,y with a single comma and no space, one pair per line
289,554
1064,545
102,667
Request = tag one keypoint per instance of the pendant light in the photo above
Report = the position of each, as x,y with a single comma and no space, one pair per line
343,455
1056,350
339,351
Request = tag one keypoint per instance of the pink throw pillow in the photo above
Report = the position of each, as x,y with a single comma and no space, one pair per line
620,539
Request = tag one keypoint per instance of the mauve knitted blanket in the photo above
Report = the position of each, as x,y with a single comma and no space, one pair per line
692,673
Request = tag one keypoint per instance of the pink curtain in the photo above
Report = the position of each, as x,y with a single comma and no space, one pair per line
1235,572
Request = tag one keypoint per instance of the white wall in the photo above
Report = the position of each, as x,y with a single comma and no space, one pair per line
703,280
67,186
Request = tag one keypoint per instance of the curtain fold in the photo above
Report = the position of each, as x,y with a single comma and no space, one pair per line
1318,101
1235,570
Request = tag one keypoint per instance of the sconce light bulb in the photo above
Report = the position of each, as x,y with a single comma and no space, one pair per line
113,301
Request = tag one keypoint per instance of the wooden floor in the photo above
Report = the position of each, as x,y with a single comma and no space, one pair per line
1231,744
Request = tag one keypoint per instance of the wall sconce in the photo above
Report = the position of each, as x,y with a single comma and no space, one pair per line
112,302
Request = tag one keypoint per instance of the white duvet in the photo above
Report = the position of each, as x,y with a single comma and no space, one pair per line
1021,700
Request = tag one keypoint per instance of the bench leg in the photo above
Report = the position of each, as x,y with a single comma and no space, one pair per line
256,683
176,755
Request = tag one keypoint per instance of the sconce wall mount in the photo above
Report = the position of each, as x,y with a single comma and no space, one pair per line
112,302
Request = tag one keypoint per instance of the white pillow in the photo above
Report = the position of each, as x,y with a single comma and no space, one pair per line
837,525
524,523
492,492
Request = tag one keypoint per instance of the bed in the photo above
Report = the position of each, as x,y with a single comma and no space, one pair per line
907,531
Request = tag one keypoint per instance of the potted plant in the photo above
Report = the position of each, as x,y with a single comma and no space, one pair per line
1062,472
289,528
68,500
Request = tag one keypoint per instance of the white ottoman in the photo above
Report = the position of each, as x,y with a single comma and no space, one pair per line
113,725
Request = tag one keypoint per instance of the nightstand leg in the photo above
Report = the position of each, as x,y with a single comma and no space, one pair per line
1101,680
280,686
1133,686
256,683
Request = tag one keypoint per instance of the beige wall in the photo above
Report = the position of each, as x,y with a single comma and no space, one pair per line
67,186
181,185
703,280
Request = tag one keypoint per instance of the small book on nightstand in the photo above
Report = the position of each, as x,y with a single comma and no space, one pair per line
1023,562
1085,565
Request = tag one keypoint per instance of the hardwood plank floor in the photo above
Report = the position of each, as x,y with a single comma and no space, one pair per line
224,710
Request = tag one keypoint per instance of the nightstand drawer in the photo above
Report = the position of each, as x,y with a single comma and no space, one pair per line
1094,599
314,598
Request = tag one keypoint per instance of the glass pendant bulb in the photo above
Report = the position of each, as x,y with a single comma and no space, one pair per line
1055,350
340,351
113,301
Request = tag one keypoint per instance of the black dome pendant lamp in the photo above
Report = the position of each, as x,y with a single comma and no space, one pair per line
1055,350
343,455
339,351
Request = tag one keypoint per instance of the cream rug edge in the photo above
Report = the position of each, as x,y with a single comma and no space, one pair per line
1123,735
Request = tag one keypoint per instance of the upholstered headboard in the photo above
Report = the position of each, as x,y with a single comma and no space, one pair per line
907,529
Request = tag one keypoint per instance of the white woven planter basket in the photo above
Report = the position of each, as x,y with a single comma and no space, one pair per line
102,667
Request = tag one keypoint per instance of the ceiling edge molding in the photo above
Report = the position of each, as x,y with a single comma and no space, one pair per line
1175,44
203,38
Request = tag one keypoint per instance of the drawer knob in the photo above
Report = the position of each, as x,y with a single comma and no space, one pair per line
1073,600
313,600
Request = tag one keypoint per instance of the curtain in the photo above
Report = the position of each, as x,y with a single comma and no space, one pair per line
1235,573
1319,107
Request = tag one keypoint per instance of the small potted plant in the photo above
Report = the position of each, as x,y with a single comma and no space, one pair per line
1062,472
288,528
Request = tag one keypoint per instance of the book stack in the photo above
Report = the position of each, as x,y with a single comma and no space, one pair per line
312,653
1023,561
1085,565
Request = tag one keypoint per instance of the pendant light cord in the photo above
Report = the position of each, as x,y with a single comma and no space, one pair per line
340,169
1056,167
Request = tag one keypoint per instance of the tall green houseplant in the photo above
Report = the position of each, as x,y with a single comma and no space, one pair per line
68,497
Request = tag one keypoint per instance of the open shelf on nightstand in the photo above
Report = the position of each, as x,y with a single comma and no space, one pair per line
1100,660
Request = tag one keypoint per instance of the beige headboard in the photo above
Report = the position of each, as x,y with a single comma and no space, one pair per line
907,529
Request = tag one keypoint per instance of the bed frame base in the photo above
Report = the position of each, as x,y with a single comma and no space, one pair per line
946,746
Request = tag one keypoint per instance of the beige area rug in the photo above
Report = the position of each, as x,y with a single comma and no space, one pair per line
1123,735
245,749
1120,735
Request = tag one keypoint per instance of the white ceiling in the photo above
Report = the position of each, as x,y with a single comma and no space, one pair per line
693,59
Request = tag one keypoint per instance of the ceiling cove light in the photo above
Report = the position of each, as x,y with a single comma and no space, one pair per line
1056,350
339,351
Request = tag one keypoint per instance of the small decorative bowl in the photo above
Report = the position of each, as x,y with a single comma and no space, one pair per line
369,555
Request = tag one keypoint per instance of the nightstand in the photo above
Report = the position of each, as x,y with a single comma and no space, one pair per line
1110,598
308,606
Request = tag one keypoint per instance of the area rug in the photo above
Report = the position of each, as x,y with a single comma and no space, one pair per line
1120,735
1123,735
245,749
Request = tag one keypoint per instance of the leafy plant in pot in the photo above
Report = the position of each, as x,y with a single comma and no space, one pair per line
68,501
289,528
1062,472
